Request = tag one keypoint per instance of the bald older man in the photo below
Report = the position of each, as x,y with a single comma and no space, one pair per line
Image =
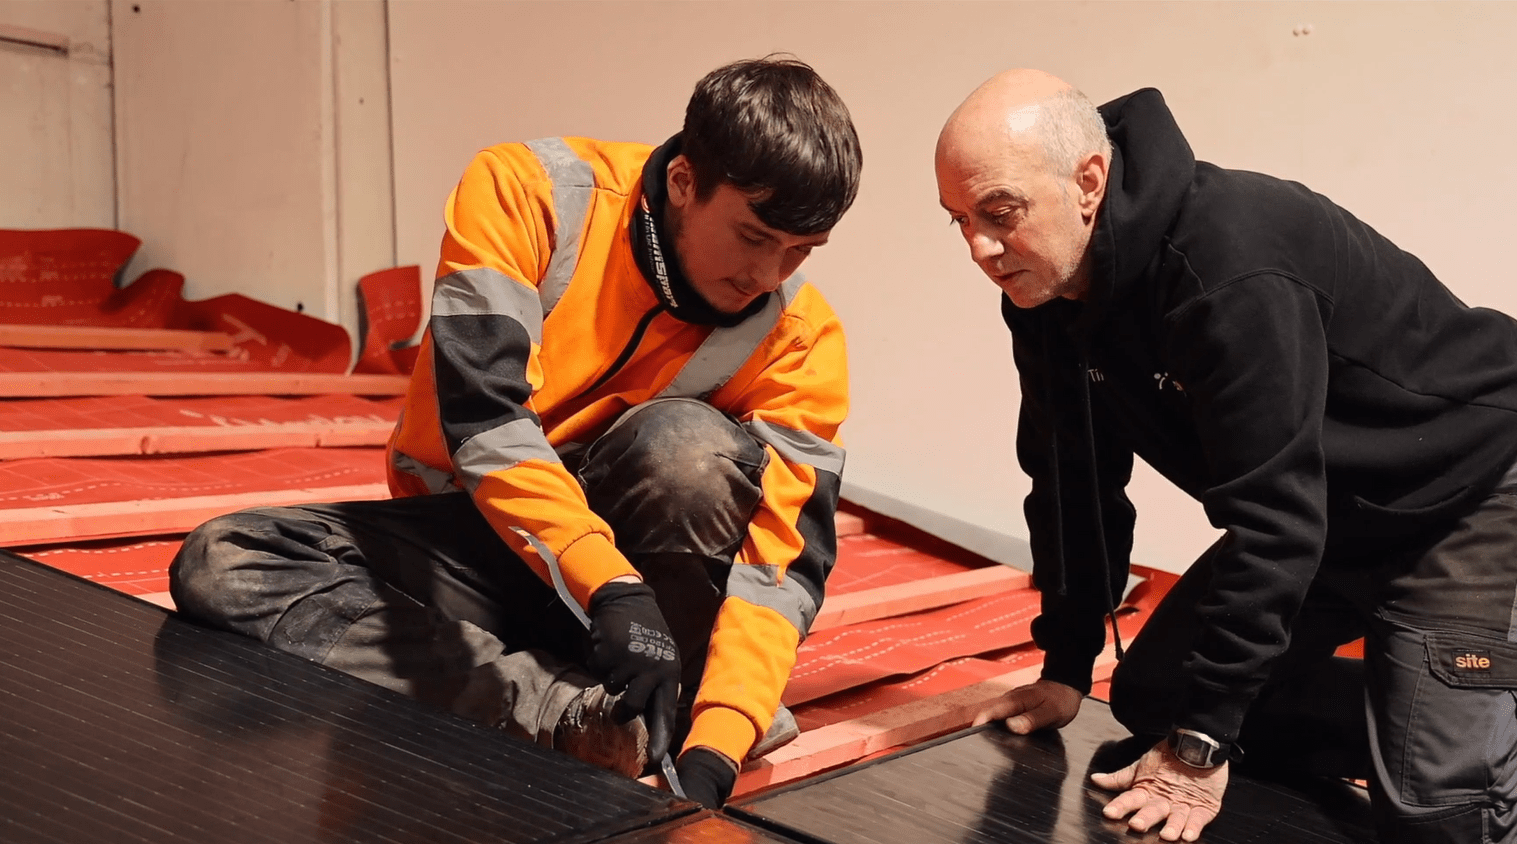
1346,421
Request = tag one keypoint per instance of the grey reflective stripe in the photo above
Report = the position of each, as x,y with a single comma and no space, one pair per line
573,182
486,291
789,288
725,350
557,575
500,448
435,480
798,446
757,584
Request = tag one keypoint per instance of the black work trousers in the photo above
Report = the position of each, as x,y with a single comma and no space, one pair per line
1429,716
421,595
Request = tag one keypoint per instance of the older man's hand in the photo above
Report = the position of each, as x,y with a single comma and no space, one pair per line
1158,788
1033,707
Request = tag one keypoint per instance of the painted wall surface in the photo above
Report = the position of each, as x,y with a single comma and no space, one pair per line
1392,109
365,206
55,118
253,140
220,145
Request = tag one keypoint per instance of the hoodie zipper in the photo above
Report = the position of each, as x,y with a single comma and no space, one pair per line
626,354
1086,374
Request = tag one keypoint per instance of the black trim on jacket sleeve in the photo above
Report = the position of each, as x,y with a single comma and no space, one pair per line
817,524
480,368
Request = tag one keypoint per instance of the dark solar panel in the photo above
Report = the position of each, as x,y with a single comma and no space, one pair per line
987,785
122,723
705,828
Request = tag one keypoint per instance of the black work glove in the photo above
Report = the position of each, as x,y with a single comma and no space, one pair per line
635,657
706,776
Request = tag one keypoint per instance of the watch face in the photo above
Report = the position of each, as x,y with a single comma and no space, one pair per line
1195,749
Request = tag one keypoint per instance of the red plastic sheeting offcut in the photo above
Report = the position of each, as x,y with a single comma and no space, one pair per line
941,678
390,302
264,339
68,277
838,675
56,277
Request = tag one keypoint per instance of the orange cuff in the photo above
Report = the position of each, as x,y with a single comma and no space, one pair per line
590,563
727,731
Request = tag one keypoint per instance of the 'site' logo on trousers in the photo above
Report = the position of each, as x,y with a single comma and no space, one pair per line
1473,661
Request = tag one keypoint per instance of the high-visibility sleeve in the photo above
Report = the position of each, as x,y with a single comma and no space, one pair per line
505,232
794,407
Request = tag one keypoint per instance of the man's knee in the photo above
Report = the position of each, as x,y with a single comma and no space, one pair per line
685,453
215,575
196,572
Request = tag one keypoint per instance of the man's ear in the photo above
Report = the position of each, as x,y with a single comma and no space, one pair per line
680,182
1090,181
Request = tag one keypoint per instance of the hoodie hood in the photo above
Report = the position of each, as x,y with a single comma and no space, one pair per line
1152,167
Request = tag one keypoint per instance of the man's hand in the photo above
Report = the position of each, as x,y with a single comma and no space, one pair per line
707,776
1159,787
634,655
1033,707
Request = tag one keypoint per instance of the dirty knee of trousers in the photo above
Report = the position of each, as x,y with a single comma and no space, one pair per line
203,576
675,475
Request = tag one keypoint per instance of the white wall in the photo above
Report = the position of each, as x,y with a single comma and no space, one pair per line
55,118
253,146
1398,111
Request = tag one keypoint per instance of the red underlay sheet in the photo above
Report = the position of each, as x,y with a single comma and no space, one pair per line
195,411
939,679
860,668
51,360
87,480
845,657
136,567
866,561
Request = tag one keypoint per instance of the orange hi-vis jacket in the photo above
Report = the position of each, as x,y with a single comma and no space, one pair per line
537,295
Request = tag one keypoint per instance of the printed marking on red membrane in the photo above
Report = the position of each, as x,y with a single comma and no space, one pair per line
866,561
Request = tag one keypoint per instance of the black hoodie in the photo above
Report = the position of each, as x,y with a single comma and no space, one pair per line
1313,386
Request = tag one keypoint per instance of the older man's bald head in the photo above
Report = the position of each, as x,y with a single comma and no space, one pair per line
1021,167
1025,107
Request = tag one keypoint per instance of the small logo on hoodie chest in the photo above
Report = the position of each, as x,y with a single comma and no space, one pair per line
1162,380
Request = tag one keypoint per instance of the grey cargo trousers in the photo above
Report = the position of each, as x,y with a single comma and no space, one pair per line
1429,717
421,595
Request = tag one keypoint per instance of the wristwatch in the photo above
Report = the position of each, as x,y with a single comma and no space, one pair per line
1197,750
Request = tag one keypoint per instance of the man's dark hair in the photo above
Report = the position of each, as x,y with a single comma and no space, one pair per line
774,130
